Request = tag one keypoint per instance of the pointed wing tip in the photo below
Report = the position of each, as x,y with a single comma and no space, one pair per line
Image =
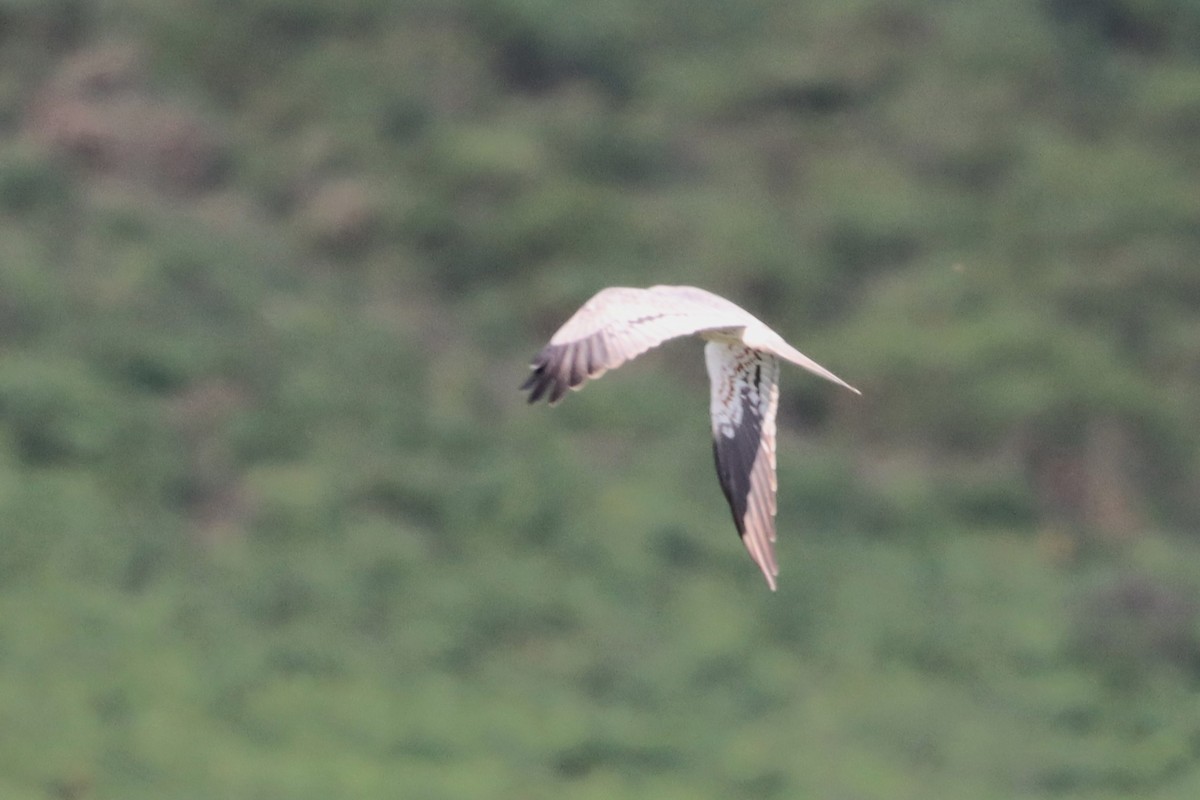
829,376
835,379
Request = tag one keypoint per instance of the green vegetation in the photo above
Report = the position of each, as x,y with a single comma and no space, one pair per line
277,524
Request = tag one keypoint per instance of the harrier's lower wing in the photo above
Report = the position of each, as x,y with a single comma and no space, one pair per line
745,396
619,324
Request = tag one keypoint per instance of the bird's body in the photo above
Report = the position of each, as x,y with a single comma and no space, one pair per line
742,355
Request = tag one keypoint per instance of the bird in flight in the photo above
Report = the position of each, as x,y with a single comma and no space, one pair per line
742,355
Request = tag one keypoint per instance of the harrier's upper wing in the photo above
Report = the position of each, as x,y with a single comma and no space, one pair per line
619,324
745,396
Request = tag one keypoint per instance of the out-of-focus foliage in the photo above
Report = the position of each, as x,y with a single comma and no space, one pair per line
276,523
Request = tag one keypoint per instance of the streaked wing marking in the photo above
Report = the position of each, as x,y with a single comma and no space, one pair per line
745,397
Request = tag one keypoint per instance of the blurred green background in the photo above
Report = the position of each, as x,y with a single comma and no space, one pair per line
276,524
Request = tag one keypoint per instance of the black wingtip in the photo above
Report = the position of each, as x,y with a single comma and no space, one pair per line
553,373
561,367
536,384
544,377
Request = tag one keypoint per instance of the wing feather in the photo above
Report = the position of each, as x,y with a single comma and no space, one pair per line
745,398
619,324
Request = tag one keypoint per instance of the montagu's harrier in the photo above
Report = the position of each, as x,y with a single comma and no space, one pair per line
742,355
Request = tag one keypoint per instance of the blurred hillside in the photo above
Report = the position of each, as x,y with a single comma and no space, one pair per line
277,523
